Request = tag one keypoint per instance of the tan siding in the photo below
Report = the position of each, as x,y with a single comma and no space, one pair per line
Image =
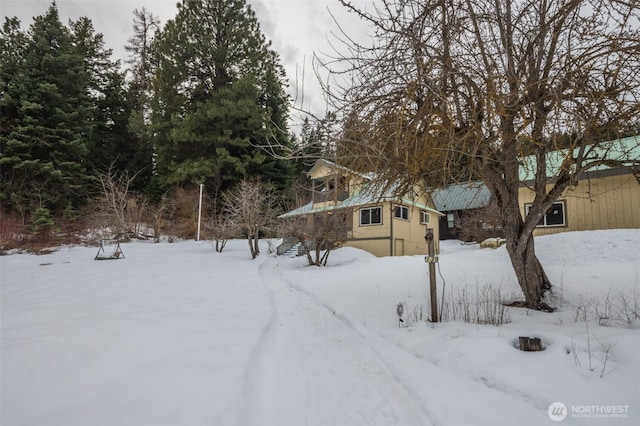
597,203
321,170
573,214
615,218
376,247
634,205
602,203
412,232
371,231
630,205
376,238
625,209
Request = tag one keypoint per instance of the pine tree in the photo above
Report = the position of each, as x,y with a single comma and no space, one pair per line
44,148
13,42
111,144
218,97
140,47
276,139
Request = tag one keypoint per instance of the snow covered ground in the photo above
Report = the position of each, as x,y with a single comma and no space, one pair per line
176,334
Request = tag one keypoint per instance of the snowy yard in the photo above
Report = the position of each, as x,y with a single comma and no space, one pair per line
176,334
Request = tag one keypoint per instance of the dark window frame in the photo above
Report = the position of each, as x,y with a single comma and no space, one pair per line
544,222
399,210
370,217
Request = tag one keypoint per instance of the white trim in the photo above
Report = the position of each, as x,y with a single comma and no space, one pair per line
400,208
423,214
379,208
527,207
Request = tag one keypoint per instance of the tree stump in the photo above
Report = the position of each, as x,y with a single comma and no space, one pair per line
530,344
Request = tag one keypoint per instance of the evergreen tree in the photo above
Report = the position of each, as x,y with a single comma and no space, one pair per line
309,148
140,47
218,98
45,146
276,139
13,42
111,144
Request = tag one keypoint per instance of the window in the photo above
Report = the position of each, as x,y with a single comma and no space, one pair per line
450,221
401,212
424,217
555,216
371,216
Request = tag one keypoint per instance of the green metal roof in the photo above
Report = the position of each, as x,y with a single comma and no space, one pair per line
367,196
625,150
461,196
471,195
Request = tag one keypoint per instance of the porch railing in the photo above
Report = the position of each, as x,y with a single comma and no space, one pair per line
324,196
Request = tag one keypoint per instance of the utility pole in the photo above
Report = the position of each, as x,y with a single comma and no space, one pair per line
431,259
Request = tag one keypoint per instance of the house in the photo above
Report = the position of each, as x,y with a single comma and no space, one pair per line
378,220
466,212
606,197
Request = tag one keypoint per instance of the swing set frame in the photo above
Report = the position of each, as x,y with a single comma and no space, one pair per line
109,250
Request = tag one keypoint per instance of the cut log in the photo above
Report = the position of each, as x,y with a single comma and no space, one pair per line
530,344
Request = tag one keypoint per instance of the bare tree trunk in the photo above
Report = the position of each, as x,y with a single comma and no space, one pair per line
251,205
529,272
256,241
307,251
252,248
325,256
503,182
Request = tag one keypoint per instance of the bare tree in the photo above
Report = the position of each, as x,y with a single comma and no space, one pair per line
479,224
181,210
318,233
222,229
158,213
252,205
123,208
453,88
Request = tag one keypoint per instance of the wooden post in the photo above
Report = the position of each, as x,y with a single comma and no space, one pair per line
431,260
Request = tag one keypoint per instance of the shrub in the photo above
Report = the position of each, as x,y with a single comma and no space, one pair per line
41,223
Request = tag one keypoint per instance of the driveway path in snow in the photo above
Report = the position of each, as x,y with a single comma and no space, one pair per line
310,367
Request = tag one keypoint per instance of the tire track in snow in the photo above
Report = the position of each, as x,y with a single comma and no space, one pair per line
275,388
382,349
313,367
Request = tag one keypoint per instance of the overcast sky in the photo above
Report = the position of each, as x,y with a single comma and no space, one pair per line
297,28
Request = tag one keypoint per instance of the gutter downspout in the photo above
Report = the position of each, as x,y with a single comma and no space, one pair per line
391,253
